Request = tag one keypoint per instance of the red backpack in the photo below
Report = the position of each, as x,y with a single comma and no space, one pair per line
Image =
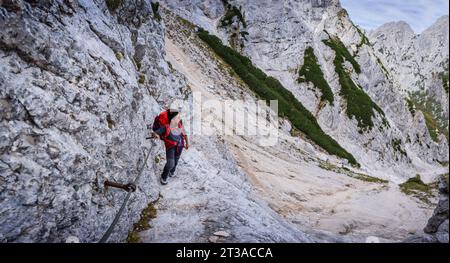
162,120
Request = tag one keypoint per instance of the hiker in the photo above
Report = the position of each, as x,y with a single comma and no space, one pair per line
168,126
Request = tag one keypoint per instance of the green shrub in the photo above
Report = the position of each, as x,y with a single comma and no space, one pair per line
111,123
359,104
141,79
119,56
269,88
342,52
311,72
416,187
244,35
113,4
137,64
383,68
155,9
411,107
147,214
444,75
416,184
435,119
342,13
397,145
349,173
225,3
231,12
432,126
364,40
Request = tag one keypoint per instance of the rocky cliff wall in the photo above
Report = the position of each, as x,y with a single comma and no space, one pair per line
79,82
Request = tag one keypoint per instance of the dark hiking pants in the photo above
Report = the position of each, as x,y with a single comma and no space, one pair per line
172,156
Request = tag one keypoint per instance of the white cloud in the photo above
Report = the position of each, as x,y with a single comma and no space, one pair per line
420,14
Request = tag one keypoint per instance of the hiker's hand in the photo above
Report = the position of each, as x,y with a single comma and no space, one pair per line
186,142
154,135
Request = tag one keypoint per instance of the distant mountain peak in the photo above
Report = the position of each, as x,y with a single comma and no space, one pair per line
398,26
441,25
442,20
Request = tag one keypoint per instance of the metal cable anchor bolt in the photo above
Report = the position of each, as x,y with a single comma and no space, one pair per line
130,187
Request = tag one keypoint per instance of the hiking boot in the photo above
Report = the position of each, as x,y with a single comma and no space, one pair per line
171,174
163,181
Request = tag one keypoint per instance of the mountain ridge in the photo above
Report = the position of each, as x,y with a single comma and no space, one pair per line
76,110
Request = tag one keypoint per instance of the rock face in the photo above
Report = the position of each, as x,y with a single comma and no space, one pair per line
317,200
416,60
438,223
81,80
277,35
78,86
437,228
419,66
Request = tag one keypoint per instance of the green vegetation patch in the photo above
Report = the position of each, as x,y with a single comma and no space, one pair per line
435,119
444,164
244,35
119,56
141,79
111,123
432,126
269,88
342,13
342,52
364,40
143,224
368,178
397,145
137,64
411,106
349,173
445,177
311,72
230,13
383,68
359,104
416,187
155,9
113,4
444,75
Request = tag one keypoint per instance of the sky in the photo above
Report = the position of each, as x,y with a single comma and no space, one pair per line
419,14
